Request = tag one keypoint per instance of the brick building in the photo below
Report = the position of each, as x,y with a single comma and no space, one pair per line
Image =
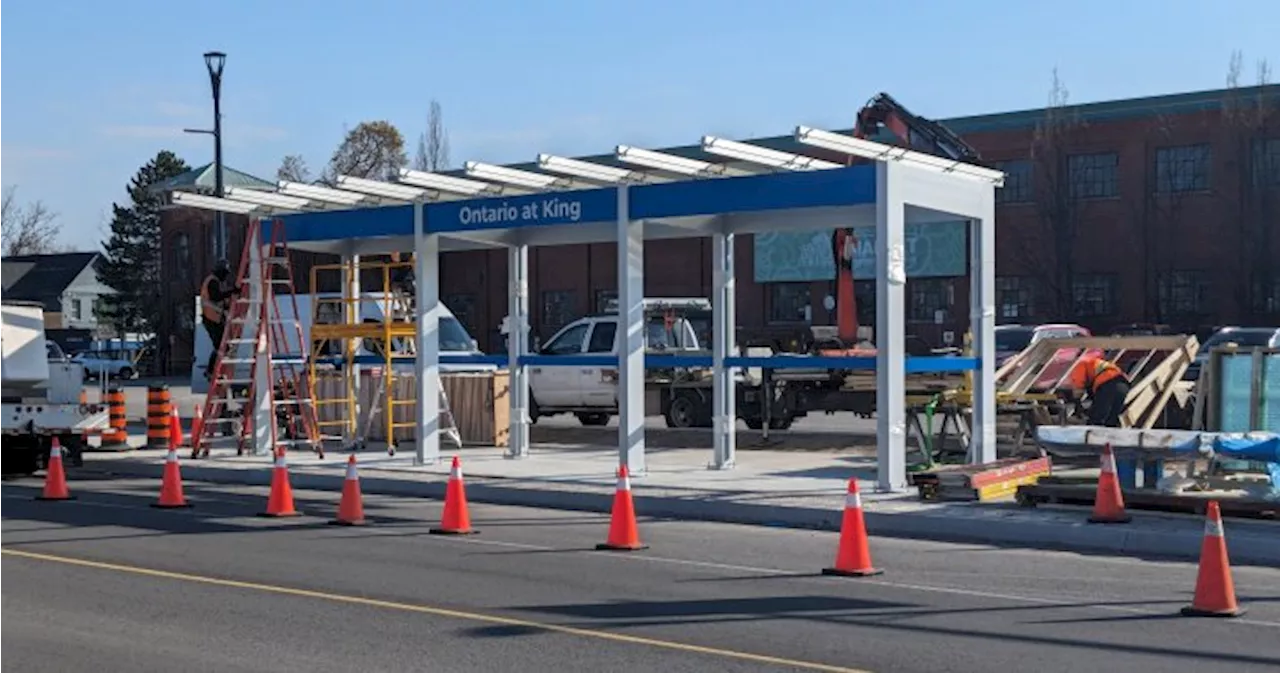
1148,210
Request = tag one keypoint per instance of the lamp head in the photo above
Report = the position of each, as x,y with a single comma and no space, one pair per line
214,61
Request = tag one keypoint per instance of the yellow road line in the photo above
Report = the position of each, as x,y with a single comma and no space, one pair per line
435,611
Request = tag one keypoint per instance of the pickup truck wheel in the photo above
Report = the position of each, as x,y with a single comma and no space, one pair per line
593,419
125,373
754,423
682,412
780,423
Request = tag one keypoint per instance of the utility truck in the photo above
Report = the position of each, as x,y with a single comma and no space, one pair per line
41,394
683,395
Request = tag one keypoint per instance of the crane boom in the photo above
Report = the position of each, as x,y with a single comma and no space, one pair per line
915,132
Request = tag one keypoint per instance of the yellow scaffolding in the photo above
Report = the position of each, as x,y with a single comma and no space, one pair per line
387,332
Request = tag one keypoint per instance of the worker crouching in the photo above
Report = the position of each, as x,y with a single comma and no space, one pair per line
1106,385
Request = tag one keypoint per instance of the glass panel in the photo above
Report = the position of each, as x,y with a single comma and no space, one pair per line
1236,380
1271,393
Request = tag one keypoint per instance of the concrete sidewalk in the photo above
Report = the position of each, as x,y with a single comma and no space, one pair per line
768,487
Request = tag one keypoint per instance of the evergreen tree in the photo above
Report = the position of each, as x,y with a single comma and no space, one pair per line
132,255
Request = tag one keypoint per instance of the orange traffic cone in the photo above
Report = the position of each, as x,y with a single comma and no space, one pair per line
171,496
624,535
55,479
351,507
456,519
853,557
1215,590
175,428
280,501
1108,504
197,427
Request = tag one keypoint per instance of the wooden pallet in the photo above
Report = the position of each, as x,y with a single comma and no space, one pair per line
1187,503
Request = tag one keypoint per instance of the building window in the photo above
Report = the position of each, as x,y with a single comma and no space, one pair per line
1017,181
75,309
1015,297
789,302
1266,162
605,301
1094,295
1266,295
558,308
928,296
463,306
182,256
1093,176
1182,169
1184,293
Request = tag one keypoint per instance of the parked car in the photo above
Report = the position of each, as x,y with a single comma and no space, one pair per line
1245,337
96,365
1012,340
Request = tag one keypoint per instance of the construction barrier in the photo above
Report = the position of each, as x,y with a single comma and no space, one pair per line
159,408
116,437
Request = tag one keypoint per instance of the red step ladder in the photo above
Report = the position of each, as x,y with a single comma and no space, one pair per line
256,327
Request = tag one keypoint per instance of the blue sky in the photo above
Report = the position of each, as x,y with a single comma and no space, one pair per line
97,88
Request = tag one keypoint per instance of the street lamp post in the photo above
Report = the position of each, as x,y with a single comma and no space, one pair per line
215,61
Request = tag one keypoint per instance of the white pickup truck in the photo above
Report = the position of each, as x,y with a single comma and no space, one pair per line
41,394
591,392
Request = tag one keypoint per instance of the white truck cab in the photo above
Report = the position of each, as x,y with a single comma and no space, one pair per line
41,394
591,392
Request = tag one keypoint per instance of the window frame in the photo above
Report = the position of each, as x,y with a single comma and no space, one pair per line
563,335
601,326
1109,284
1018,182
773,305
1094,175
1172,164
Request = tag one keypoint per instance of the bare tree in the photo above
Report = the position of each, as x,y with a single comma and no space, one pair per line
373,150
433,145
294,169
1050,253
1250,119
28,229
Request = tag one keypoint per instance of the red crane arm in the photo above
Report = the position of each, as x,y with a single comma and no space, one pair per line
914,132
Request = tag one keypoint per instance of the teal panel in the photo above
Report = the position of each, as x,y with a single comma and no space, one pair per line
1236,380
933,250
1270,416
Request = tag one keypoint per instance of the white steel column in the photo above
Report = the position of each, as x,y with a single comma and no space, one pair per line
351,315
263,394
723,384
982,319
426,256
631,341
890,334
517,346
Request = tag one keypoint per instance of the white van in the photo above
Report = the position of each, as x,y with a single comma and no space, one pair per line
454,338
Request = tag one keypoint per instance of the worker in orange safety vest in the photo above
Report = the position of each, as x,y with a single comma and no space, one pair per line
215,298
1105,384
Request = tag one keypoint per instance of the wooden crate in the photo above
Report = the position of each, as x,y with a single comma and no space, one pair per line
479,402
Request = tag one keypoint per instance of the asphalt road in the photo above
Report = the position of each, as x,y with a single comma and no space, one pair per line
106,583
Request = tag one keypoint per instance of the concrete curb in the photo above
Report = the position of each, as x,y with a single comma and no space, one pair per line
1247,546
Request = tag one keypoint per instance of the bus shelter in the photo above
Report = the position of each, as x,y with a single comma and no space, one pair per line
719,189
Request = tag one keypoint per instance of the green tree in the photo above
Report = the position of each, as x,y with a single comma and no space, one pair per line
132,254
